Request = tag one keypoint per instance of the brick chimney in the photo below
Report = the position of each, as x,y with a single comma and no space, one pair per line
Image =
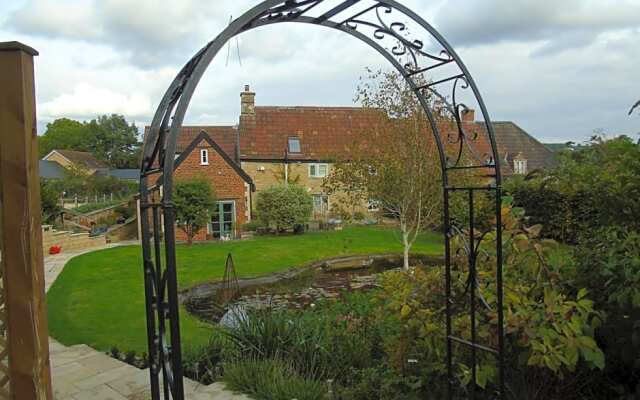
468,115
247,102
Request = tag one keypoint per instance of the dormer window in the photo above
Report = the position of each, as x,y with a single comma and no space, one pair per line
520,164
294,144
204,157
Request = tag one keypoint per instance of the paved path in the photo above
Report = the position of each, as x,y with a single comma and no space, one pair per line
82,373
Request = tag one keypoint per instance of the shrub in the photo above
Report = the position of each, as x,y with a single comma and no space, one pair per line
125,210
593,186
272,380
358,216
549,327
194,201
284,206
342,212
251,226
266,334
49,198
203,364
608,263
325,344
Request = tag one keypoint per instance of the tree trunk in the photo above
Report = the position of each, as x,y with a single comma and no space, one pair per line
407,247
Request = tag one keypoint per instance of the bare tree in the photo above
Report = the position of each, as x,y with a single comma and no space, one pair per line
395,165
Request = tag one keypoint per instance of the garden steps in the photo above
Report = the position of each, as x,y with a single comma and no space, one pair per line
79,372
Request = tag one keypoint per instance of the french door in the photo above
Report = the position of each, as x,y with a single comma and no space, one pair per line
223,220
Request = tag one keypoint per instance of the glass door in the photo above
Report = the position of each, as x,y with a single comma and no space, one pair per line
223,220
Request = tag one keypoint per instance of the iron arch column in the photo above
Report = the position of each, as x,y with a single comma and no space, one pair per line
428,72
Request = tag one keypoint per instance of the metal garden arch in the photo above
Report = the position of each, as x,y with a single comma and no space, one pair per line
425,54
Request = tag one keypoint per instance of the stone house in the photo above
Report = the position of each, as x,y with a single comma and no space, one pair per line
274,144
76,159
52,165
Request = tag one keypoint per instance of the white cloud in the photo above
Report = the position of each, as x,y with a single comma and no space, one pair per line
48,17
146,32
559,70
564,24
87,101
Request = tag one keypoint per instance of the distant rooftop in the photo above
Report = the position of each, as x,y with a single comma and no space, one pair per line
50,169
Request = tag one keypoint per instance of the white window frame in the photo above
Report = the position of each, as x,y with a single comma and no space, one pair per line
320,196
316,170
297,139
204,157
520,166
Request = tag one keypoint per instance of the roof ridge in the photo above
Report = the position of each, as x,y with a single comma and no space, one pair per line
314,107
208,126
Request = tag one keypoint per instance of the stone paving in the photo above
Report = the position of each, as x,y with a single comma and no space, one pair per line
82,373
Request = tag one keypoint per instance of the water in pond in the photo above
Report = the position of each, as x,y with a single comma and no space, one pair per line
297,288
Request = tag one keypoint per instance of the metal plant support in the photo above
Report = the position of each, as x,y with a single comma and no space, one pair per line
434,71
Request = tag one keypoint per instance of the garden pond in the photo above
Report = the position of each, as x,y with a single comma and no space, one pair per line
297,288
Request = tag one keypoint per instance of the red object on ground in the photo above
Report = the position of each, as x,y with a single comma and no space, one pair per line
55,249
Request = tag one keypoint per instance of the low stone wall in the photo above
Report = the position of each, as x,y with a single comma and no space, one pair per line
69,241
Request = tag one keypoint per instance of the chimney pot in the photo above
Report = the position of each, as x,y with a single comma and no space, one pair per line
468,115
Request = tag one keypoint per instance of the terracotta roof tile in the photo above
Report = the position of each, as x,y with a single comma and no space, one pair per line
328,132
224,136
324,132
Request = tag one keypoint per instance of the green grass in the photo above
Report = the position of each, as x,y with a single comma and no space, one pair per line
98,299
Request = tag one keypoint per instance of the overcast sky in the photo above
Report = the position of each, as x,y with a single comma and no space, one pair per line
558,69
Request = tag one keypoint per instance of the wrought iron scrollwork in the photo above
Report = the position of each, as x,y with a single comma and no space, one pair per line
404,46
395,41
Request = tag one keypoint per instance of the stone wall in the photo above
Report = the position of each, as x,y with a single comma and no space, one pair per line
69,241
266,174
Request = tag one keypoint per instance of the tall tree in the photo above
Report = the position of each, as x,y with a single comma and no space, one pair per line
194,201
395,165
64,133
109,137
114,141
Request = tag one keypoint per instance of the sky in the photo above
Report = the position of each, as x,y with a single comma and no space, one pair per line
561,70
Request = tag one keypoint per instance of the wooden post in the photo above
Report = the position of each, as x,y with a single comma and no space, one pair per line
27,337
138,217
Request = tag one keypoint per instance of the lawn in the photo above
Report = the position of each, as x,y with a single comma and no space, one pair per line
98,299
